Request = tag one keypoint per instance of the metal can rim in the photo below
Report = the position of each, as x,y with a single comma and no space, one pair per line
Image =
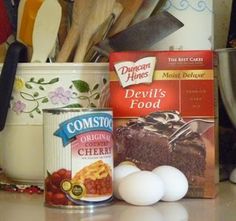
52,110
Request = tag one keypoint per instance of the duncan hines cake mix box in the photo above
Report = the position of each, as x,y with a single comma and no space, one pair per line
164,106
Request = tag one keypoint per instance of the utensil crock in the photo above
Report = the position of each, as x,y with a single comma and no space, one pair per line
38,86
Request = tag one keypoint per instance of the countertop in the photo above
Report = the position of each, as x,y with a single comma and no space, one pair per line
26,207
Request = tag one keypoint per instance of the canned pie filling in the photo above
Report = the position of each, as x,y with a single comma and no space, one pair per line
78,157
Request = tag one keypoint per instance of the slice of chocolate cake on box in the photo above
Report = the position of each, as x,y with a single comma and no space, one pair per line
147,142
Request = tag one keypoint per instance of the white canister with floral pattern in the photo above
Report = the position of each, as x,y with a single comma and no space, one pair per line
40,86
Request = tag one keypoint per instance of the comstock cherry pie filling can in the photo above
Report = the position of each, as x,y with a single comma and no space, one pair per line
78,157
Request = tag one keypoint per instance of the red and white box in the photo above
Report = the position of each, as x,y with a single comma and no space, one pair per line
165,113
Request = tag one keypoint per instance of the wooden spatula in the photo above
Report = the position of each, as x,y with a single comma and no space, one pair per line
98,14
31,8
45,31
130,9
64,25
80,14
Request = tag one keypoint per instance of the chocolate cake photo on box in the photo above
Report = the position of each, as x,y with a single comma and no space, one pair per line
164,138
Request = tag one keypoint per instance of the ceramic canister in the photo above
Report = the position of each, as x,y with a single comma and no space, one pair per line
78,157
37,87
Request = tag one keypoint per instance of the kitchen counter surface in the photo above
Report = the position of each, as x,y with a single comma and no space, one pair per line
26,207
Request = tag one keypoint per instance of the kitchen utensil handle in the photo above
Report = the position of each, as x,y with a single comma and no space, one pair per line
69,44
17,52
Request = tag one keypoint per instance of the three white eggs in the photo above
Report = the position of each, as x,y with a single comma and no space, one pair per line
144,188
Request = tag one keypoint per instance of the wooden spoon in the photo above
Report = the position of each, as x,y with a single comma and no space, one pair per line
130,9
63,29
27,19
81,11
45,30
103,30
99,13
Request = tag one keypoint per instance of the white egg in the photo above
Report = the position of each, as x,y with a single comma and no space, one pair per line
141,188
119,173
175,182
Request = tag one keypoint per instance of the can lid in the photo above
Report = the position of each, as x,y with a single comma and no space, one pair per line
61,110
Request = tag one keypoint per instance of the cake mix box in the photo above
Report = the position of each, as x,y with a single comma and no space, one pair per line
165,113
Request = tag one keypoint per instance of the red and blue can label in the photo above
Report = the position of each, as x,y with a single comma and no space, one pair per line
78,150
